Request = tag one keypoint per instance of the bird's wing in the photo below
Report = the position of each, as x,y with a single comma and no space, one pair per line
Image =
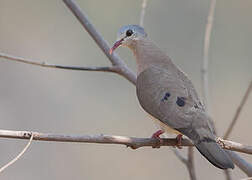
166,96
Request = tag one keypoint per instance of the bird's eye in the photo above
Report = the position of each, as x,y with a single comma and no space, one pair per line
129,32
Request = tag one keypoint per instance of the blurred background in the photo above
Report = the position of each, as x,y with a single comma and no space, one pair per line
71,102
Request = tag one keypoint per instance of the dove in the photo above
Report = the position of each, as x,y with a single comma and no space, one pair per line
167,94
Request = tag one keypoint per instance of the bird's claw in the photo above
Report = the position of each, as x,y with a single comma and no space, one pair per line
179,141
156,136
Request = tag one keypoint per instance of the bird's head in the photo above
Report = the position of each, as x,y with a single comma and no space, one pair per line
128,35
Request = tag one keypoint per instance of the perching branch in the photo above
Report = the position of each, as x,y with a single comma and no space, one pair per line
238,111
110,139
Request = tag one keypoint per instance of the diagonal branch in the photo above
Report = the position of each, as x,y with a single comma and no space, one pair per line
238,111
43,64
104,46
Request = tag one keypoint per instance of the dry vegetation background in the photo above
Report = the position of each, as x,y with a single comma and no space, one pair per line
59,101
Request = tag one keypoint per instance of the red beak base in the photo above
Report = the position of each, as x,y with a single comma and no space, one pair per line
116,45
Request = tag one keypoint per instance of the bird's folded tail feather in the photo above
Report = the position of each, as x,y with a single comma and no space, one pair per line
214,154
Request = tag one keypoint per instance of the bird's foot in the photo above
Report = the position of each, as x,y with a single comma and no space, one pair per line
156,136
179,141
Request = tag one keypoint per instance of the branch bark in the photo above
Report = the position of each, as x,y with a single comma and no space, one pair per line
133,142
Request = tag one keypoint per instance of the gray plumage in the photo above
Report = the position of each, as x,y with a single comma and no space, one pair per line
166,93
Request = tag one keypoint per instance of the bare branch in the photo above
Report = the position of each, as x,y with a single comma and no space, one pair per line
43,64
187,161
110,139
144,4
234,146
180,156
103,139
238,111
227,173
241,163
190,164
209,25
19,155
104,46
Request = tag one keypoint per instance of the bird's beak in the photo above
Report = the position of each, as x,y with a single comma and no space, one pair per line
116,45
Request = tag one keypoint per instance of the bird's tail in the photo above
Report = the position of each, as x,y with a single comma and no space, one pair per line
214,154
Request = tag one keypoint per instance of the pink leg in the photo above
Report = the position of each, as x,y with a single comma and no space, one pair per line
156,136
179,141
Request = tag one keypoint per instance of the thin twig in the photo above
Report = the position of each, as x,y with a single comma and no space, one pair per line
43,64
180,156
144,4
205,83
19,155
110,139
190,164
227,173
238,111
104,46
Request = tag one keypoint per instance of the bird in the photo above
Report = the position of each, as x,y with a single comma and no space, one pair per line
167,94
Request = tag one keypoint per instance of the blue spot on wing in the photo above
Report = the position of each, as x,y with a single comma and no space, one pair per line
165,97
180,101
